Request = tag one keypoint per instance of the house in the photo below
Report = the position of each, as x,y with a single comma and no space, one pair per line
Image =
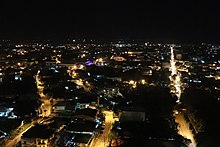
82,105
137,116
2,134
5,112
87,114
39,135
80,133
64,106
82,127
81,140
132,114
50,63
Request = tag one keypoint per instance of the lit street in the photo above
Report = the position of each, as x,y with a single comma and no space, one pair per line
78,81
102,139
46,106
175,80
175,77
12,142
184,129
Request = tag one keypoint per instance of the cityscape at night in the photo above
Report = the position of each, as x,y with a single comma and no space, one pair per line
109,74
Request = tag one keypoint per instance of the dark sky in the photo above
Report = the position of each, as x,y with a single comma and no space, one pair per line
191,20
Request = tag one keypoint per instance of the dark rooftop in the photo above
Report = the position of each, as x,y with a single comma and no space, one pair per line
87,111
85,126
39,131
82,138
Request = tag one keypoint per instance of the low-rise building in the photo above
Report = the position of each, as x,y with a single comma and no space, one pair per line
39,136
82,127
87,114
5,112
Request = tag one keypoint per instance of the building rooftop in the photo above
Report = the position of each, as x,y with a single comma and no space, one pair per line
83,126
87,112
82,138
39,131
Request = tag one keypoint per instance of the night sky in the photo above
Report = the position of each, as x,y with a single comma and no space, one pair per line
190,20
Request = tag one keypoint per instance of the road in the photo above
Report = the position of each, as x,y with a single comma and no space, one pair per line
175,80
78,81
46,106
175,77
184,129
12,142
102,139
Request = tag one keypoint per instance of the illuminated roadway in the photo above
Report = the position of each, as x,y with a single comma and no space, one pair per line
184,129
45,107
80,82
175,79
46,104
102,139
14,141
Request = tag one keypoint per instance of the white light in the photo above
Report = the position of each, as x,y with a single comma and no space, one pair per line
131,82
143,81
177,80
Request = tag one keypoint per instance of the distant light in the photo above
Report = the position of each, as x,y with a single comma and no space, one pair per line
81,66
143,81
89,63
99,60
131,82
17,77
119,128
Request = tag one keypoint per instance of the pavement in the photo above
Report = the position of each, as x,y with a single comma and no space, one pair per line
184,129
46,106
101,140
14,141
